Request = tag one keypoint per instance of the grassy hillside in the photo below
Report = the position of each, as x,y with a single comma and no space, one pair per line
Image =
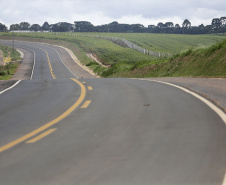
200,62
127,62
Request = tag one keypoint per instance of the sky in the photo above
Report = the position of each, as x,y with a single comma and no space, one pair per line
99,12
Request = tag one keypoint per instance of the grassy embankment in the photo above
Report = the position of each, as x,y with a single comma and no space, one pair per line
126,62
7,70
197,62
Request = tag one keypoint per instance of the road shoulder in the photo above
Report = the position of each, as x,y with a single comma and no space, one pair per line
213,89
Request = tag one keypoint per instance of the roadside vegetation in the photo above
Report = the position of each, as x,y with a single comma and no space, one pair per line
7,70
195,62
192,53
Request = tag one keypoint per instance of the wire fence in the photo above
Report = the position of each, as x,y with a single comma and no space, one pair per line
122,41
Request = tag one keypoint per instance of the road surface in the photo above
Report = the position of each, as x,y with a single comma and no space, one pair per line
57,128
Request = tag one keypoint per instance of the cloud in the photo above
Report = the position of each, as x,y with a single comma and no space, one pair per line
102,12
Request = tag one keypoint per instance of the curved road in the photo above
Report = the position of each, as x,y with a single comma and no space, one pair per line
57,129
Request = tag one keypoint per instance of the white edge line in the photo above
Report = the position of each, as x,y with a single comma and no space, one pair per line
32,72
207,102
78,62
10,87
63,62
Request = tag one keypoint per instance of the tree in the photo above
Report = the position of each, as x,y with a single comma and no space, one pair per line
2,27
169,24
24,26
177,26
223,21
15,27
83,26
160,25
201,26
45,26
216,23
137,28
102,28
35,27
113,27
55,28
208,29
177,29
62,27
218,26
186,24
151,26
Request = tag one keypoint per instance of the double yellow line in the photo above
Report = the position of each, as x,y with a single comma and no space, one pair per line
50,66
48,125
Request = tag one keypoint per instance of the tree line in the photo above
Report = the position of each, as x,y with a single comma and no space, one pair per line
218,25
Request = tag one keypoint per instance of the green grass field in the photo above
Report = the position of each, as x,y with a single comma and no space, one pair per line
121,58
169,43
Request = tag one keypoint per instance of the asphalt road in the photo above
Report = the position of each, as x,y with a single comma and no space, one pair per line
57,129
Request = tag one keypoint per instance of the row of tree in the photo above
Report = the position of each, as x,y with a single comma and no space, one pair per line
59,27
218,25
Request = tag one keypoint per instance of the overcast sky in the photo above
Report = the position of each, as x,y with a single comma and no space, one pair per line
100,12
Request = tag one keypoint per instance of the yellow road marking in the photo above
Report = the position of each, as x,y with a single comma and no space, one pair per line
83,82
50,67
42,135
51,123
90,88
86,104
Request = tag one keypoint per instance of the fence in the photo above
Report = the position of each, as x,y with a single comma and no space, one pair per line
131,45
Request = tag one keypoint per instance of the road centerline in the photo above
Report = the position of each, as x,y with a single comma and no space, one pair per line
63,62
51,123
50,66
90,88
41,136
86,104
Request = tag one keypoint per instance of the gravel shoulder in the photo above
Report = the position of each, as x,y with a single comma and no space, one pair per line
214,89
25,69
